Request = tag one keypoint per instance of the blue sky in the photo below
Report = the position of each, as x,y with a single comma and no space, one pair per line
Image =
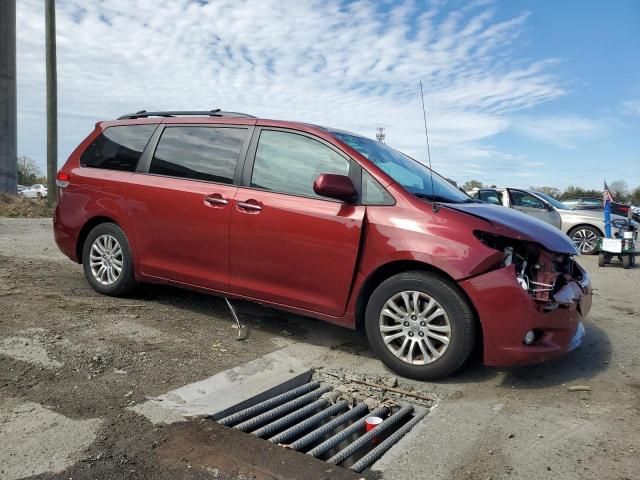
518,92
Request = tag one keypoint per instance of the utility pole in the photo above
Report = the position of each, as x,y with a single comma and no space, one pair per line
52,100
8,102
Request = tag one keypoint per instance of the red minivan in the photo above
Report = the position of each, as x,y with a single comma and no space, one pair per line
324,223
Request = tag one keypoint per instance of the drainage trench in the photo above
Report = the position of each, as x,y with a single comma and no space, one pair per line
326,422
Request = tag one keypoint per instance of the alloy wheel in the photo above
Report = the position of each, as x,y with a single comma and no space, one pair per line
585,240
415,327
106,259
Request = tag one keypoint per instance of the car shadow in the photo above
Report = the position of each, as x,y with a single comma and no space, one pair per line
581,364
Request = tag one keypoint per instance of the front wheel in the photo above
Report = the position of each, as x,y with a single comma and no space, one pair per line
420,325
585,238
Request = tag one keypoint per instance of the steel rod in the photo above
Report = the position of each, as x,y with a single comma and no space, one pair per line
308,423
294,416
318,433
394,438
346,433
268,404
352,448
270,415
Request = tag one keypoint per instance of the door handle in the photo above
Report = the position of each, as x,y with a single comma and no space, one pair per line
249,206
215,200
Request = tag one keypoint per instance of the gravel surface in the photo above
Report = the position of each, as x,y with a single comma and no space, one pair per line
72,361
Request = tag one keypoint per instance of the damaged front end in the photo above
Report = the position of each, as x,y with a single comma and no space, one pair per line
552,279
530,303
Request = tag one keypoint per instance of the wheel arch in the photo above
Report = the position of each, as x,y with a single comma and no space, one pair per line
390,269
584,224
86,228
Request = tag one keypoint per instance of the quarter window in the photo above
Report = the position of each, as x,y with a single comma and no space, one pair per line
118,148
199,153
290,163
373,193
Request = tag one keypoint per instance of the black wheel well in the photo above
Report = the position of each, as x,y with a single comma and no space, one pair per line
393,268
84,232
574,228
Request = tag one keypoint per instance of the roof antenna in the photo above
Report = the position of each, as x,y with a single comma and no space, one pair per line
426,133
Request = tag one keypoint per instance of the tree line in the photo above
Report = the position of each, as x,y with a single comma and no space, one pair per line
619,189
29,173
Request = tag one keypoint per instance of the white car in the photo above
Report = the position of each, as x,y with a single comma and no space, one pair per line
35,191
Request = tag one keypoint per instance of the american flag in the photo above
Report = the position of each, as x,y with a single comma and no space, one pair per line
606,194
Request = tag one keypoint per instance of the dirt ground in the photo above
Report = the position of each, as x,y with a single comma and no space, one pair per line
72,361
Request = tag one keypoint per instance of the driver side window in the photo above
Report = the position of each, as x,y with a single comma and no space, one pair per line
523,199
290,163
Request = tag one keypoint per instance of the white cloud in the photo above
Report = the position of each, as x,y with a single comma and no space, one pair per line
353,67
564,131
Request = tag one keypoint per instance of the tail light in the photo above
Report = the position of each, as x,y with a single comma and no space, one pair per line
62,179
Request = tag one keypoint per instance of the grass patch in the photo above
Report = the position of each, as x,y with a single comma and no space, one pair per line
18,207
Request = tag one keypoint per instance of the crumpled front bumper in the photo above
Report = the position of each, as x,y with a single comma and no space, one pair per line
507,312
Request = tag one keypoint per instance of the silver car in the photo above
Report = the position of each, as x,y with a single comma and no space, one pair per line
584,227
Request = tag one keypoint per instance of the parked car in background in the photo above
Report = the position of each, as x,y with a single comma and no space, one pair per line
594,203
321,222
584,227
34,191
20,188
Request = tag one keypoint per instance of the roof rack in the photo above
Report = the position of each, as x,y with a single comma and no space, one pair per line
175,113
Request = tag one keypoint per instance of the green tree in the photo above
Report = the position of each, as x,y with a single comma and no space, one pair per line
28,171
471,184
634,196
619,190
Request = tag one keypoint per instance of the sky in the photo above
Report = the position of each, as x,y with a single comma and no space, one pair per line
518,93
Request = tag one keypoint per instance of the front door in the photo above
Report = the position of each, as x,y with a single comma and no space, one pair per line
288,245
532,205
180,208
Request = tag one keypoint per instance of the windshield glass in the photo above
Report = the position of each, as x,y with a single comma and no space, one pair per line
411,174
553,201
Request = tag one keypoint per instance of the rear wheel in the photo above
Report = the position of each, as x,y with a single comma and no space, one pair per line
627,261
107,260
420,325
585,238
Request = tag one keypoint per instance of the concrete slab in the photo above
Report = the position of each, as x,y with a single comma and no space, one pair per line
216,395
36,440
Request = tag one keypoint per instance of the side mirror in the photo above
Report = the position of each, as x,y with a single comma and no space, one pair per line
339,187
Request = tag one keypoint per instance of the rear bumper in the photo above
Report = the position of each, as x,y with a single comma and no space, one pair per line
65,236
507,313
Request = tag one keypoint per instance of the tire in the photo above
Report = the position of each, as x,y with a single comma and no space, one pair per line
601,260
457,314
627,261
109,247
585,238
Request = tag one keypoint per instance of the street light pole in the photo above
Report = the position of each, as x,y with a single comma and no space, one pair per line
52,100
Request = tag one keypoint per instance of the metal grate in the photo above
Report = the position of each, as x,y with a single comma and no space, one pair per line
315,419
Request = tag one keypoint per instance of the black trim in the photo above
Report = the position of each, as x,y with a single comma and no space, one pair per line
176,113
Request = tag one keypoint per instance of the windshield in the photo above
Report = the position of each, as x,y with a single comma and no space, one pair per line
553,201
411,174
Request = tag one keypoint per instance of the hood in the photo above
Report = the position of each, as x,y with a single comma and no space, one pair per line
513,224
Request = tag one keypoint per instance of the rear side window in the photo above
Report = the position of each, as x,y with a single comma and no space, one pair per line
290,163
117,148
199,153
